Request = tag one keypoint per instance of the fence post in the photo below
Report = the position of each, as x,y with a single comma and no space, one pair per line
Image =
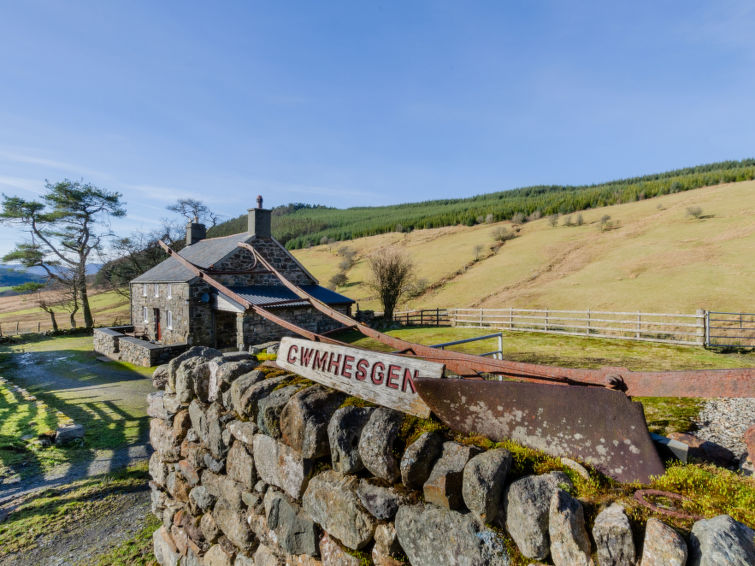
480,318
706,324
39,326
546,320
511,318
421,317
500,345
587,330
16,327
639,321
437,316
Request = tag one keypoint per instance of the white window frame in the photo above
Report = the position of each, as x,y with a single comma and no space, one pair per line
157,291
145,314
169,320
144,289
170,291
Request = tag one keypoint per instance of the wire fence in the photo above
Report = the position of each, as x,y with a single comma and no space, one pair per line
19,327
704,328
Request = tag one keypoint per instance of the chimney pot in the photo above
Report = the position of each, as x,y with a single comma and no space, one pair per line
259,201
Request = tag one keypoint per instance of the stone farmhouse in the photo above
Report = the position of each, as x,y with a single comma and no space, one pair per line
172,308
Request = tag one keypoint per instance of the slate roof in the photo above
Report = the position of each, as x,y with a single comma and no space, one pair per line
204,253
262,295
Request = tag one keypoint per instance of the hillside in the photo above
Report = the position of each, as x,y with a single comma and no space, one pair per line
659,258
10,276
299,225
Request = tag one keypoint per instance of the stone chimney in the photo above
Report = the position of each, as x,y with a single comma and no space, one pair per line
259,220
195,232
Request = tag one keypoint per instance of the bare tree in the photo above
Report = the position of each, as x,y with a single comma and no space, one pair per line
392,273
190,209
35,287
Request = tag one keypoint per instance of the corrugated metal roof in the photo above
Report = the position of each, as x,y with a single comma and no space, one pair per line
262,295
203,254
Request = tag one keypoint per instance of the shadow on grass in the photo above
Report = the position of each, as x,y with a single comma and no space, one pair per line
54,377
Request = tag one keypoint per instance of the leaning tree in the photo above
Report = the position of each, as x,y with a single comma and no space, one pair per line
69,223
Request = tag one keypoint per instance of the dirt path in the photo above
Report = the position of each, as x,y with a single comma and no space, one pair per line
89,538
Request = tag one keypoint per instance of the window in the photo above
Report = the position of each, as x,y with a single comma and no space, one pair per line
169,320
157,290
170,291
145,314
144,290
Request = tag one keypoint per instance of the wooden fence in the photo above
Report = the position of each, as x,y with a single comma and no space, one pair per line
704,328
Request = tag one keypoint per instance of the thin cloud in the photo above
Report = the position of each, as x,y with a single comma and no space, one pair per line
51,163
22,183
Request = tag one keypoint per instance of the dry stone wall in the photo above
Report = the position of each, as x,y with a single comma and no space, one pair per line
256,467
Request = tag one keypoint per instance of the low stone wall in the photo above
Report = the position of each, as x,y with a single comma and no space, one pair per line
256,467
106,341
142,353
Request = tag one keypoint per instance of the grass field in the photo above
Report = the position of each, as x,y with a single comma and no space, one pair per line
107,307
660,259
108,398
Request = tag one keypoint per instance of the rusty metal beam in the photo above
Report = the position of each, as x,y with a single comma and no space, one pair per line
694,383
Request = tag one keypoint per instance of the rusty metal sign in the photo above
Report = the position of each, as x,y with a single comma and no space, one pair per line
599,426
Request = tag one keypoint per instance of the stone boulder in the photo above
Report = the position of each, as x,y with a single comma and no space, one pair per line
165,549
663,546
195,352
613,537
241,384
223,372
431,536
280,465
419,458
247,398
377,444
242,431
304,420
527,505
209,528
191,379
344,430
332,554
69,433
162,440
218,555
201,500
156,406
482,483
332,502
570,544
157,469
381,502
295,531
386,547
700,449
233,524
269,410
239,466
160,376
444,486
721,540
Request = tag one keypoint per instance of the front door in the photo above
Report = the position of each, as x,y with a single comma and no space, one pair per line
158,332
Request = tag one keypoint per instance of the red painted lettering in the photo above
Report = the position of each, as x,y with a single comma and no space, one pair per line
321,361
408,380
335,360
291,358
392,376
362,366
306,356
380,375
346,369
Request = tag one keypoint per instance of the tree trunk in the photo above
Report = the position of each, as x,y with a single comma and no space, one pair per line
82,288
52,319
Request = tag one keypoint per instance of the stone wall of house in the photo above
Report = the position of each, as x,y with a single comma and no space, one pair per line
179,303
201,330
273,252
255,467
257,329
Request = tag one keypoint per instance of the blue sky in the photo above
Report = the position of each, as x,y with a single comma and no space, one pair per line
364,103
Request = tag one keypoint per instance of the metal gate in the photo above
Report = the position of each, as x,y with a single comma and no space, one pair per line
730,329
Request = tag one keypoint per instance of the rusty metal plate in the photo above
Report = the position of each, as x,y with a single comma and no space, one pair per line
599,426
